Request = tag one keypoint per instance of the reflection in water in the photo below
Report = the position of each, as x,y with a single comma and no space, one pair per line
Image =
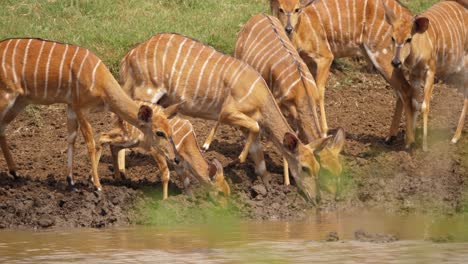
252,242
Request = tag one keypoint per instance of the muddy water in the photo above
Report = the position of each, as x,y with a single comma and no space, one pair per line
249,242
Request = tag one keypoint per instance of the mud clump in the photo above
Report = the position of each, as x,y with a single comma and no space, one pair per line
332,237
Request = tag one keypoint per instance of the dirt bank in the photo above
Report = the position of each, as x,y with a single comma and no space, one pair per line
376,175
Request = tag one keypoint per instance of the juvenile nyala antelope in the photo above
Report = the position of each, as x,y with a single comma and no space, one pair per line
192,163
36,71
264,45
434,43
218,87
328,29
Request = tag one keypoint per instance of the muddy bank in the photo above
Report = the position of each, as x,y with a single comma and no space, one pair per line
376,175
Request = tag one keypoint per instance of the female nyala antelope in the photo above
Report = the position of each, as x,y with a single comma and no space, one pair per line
434,43
264,45
36,71
324,30
192,162
218,87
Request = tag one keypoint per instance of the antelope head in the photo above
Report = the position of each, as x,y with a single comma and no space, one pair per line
158,135
403,31
305,167
288,11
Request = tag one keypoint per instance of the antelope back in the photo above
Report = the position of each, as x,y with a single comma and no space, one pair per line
264,45
47,71
188,71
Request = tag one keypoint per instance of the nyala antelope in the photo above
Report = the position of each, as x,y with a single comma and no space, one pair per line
218,87
264,45
36,71
191,162
324,30
434,43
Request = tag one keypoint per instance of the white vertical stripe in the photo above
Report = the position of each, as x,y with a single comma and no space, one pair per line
35,69
250,90
70,75
194,62
4,56
181,45
330,20
378,36
201,74
13,66
23,70
183,138
272,70
266,63
291,86
371,27
61,71
155,72
93,76
210,77
47,69
221,77
168,44
256,42
348,12
317,43
182,68
78,76
253,29
364,21
338,11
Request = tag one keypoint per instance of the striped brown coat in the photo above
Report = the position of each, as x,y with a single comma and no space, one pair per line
324,30
434,43
35,71
218,87
192,163
263,44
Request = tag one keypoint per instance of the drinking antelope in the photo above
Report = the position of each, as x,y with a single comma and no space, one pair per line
36,71
192,162
218,87
434,43
324,30
264,45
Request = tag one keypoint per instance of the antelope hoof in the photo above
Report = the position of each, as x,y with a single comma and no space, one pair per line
454,140
14,174
425,148
242,158
98,188
205,147
70,181
390,140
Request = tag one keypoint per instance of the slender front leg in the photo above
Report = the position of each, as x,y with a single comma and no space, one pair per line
8,112
121,161
115,150
286,172
461,121
428,87
231,116
165,173
323,70
72,128
395,121
210,137
87,132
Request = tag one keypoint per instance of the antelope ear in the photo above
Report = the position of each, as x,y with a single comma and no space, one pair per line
172,110
212,169
338,141
306,3
319,144
420,24
290,142
145,114
390,16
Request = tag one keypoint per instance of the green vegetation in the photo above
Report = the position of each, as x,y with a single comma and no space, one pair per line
111,27
418,6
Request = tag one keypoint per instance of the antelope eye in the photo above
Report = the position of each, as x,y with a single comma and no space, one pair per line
297,10
408,40
160,134
281,10
305,169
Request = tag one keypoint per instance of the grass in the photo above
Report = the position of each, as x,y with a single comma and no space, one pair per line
419,6
111,27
